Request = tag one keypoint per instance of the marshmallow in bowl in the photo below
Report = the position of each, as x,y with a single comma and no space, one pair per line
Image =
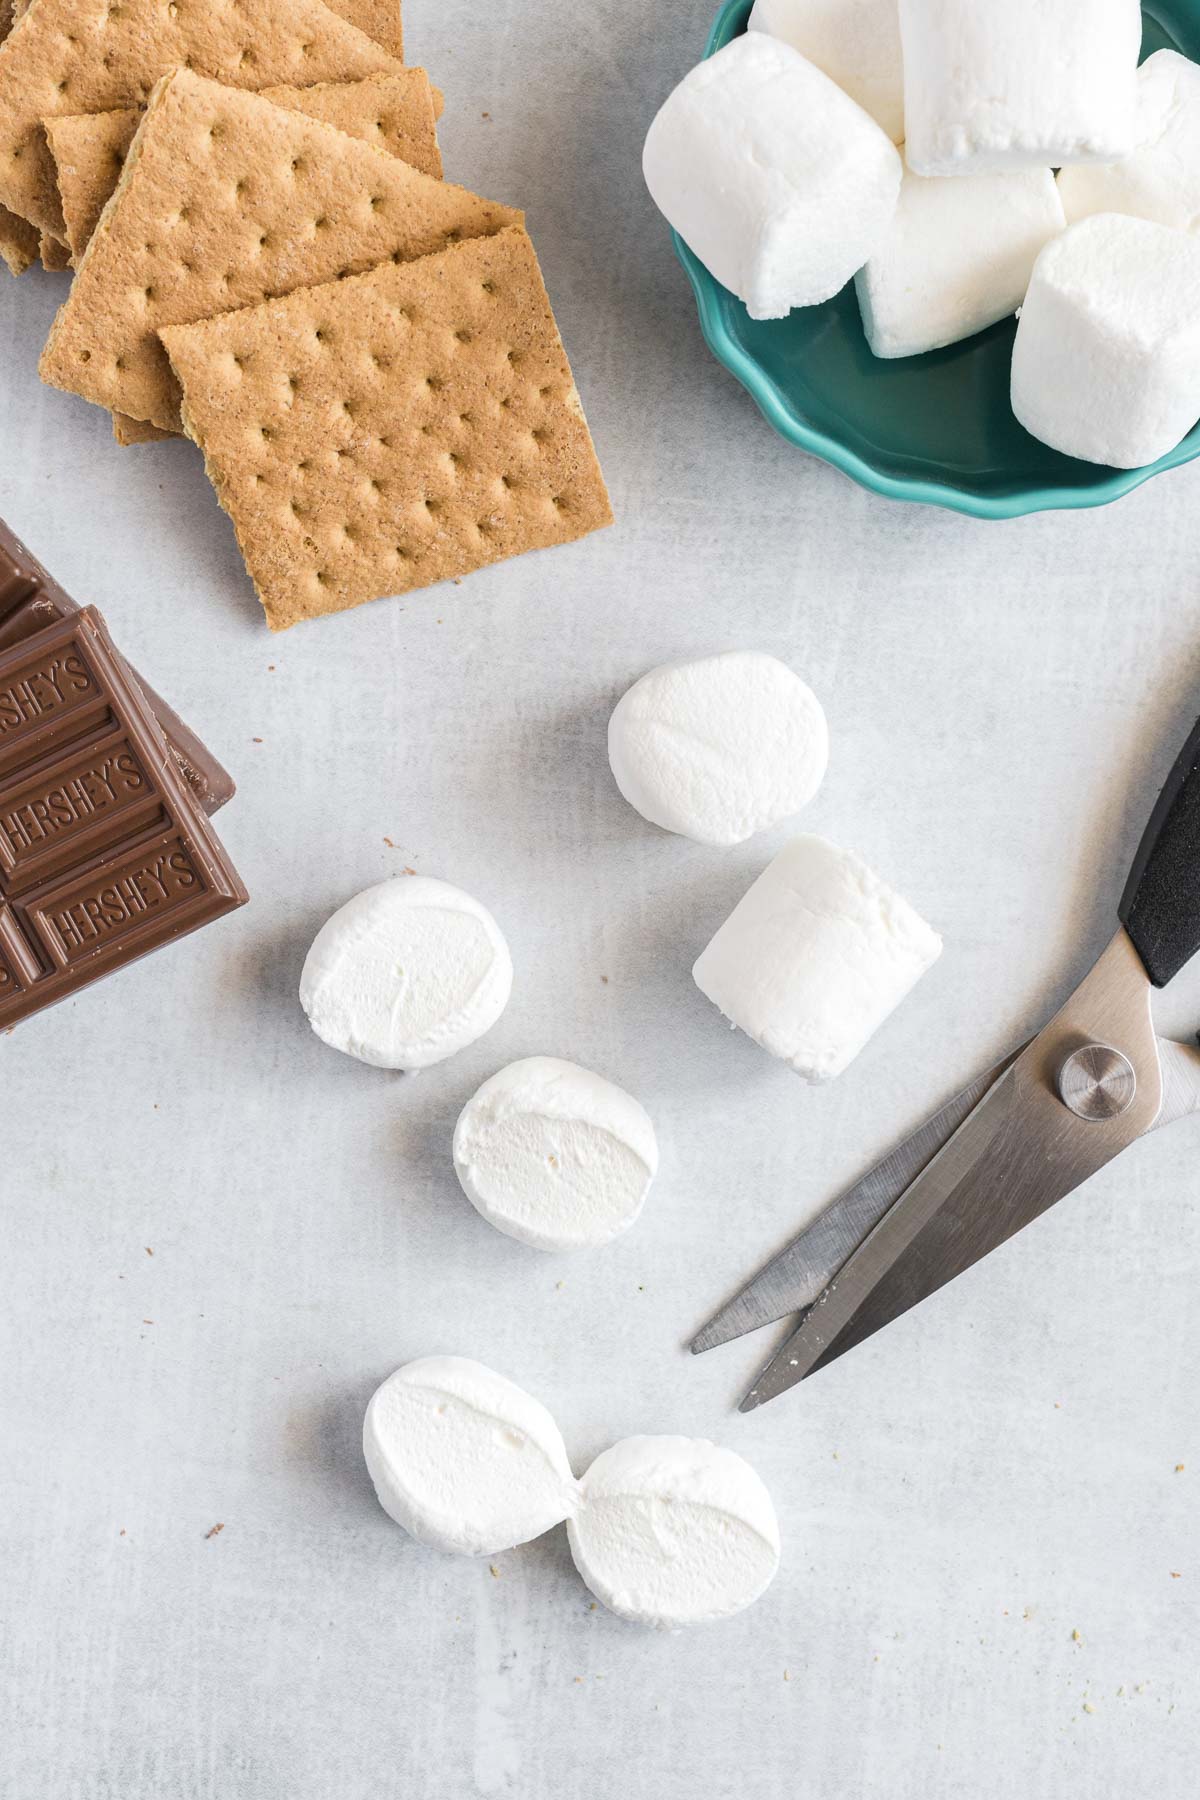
855,42
719,748
554,1155
815,957
673,1531
464,1459
406,973
1161,179
773,177
957,257
1106,364
1010,84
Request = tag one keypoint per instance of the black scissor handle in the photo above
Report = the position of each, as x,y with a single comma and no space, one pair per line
1160,908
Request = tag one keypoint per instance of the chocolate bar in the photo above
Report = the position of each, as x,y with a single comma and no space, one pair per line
105,850
30,600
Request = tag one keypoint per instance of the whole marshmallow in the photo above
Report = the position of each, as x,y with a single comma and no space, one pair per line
555,1156
406,973
673,1531
1012,84
778,182
1106,365
720,748
464,1459
957,258
1161,179
855,42
815,957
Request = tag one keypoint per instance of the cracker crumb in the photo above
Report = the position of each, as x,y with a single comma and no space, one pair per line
1175,1574
1075,1636
215,1531
389,843
1088,1707
1179,1468
493,1571
559,1284
121,1533
787,1675
256,740
149,1251
407,871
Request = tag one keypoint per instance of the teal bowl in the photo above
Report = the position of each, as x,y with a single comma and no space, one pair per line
936,428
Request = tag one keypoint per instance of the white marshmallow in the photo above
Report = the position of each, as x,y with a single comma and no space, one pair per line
555,1156
1106,365
464,1459
673,1531
1161,179
720,748
406,973
957,258
814,958
778,182
1010,84
855,42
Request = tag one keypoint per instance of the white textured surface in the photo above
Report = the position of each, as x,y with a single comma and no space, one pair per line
1021,84
855,42
555,1155
674,1531
1161,178
779,182
955,1501
1106,362
957,258
720,748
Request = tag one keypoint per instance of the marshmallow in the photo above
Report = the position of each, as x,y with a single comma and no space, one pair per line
778,182
957,258
814,958
464,1459
406,973
1161,179
1012,84
721,748
855,42
555,1156
673,1531
1106,365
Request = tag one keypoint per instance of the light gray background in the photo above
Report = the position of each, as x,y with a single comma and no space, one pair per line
959,1498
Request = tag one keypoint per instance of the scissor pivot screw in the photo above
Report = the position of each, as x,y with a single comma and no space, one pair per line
1097,1083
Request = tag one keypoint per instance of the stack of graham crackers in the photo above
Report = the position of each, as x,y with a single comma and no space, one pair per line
267,259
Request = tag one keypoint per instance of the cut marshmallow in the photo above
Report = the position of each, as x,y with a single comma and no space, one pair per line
721,748
777,181
1011,84
1106,365
464,1459
957,258
815,957
855,42
406,973
673,1531
555,1156
1161,179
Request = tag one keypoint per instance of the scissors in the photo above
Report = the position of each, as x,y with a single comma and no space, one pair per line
1022,1137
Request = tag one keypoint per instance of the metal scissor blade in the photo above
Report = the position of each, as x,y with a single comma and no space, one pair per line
1020,1151
793,1278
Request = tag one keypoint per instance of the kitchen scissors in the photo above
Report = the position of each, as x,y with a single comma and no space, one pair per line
1023,1136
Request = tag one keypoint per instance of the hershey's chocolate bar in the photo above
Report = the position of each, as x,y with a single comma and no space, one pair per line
105,851
30,599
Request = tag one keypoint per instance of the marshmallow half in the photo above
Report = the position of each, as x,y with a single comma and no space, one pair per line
815,957
406,974
464,1459
1106,364
1161,179
674,1531
957,257
855,42
554,1155
720,748
777,181
1011,84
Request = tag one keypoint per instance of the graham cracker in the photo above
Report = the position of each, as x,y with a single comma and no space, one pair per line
225,200
73,56
136,431
19,242
392,112
55,254
376,435
379,19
